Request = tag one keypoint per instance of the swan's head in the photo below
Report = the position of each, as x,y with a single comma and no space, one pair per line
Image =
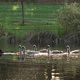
48,46
23,47
34,46
68,47
19,46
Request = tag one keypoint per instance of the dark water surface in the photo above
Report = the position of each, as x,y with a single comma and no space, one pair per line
57,70
6,47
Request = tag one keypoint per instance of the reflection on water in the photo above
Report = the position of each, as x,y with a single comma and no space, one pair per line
58,70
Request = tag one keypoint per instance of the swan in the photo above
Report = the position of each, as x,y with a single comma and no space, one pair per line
60,52
75,52
20,51
43,52
23,53
31,52
68,49
34,47
40,52
72,52
56,52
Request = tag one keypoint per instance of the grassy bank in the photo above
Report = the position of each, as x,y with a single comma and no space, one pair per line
38,17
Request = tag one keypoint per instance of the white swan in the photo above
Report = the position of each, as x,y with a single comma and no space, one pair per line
75,52
43,52
56,52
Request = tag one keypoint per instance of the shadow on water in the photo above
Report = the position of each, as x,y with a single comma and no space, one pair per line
58,70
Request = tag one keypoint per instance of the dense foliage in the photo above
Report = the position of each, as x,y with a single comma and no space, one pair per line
69,17
42,1
28,1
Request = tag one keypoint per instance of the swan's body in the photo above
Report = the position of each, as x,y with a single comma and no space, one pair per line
56,52
43,52
31,52
75,52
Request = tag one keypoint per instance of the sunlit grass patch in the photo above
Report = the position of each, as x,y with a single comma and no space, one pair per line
15,7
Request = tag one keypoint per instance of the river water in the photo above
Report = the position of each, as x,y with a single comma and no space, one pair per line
57,70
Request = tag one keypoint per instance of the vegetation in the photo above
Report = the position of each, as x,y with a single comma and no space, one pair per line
69,17
38,17
42,1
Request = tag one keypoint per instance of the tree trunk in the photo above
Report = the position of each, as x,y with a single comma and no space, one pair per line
22,11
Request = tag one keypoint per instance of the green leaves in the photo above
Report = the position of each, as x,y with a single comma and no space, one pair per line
69,17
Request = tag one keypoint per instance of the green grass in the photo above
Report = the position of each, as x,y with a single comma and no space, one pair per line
38,17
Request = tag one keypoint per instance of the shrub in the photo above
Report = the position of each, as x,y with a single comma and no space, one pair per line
69,17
